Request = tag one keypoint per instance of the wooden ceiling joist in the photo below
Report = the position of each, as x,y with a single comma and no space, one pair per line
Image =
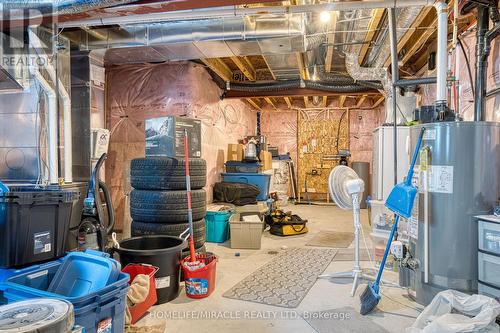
376,17
245,67
269,68
306,102
288,102
426,11
253,103
324,101
342,101
424,37
361,101
219,67
270,102
302,68
378,102
330,39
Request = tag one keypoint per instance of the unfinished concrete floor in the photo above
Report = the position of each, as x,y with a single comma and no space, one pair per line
395,311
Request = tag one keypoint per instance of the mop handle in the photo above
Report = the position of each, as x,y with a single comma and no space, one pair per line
409,176
192,252
386,253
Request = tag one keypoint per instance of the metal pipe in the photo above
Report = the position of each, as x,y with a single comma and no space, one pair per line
442,53
415,82
67,134
481,63
232,11
38,45
52,127
395,78
493,92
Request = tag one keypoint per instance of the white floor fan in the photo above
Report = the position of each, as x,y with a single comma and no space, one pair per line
346,190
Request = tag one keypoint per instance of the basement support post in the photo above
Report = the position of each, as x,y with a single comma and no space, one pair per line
395,78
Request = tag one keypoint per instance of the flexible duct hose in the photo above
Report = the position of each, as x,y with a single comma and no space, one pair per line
325,86
313,42
294,84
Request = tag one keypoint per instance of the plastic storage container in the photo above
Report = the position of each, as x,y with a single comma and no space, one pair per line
262,180
96,311
245,235
81,274
489,237
140,309
489,269
379,240
242,167
217,226
382,219
200,283
34,224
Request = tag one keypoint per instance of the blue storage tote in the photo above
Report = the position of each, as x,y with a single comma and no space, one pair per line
217,226
262,180
242,167
81,274
102,309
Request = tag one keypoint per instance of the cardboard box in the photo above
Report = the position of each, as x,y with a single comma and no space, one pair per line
99,142
165,136
266,159
235,152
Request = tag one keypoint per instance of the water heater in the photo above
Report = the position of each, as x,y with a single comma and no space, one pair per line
463,178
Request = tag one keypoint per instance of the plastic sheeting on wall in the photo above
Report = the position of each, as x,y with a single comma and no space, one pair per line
139,92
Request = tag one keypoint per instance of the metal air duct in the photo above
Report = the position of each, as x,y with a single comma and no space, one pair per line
65,6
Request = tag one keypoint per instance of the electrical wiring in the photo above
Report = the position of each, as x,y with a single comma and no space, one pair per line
338,130
468,65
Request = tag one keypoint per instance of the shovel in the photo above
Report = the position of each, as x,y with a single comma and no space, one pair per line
402,196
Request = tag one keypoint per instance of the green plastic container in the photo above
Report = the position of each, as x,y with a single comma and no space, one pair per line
217,226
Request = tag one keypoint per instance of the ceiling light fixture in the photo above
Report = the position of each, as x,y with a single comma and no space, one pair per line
324,17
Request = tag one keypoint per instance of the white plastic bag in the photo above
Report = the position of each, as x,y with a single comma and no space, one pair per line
453,311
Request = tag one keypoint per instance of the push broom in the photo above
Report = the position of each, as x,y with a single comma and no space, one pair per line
400,201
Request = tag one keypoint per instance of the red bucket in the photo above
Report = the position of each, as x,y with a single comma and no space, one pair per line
140,309
200,283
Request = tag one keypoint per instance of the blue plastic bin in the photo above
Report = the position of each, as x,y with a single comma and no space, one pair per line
242,167
81,274
97,310
262,180
217,226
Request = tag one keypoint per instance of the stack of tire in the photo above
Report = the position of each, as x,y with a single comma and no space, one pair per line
158,201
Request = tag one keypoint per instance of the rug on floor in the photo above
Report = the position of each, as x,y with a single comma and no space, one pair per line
335,239
285,280
348,255
342,320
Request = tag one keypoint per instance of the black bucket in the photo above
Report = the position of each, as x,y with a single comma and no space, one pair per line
163,252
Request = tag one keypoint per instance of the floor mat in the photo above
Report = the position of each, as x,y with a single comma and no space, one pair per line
335,239
342,320
285,280
348,255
